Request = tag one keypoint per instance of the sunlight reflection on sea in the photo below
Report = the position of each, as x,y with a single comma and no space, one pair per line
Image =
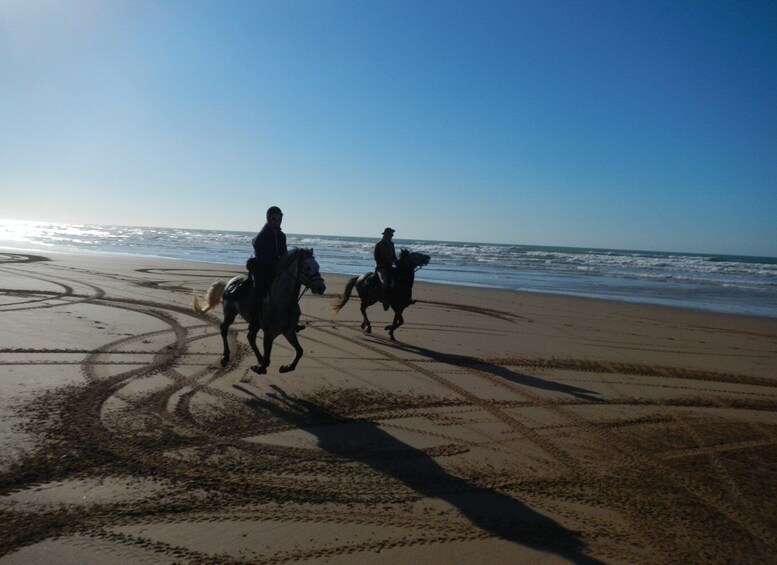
733,284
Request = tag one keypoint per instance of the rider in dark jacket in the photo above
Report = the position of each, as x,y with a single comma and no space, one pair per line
385,258
269,246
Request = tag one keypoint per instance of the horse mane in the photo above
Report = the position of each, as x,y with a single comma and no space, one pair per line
291,256
405,259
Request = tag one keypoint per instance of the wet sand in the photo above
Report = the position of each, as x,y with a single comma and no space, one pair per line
501,427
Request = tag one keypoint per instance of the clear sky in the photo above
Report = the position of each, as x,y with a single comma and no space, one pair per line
640,125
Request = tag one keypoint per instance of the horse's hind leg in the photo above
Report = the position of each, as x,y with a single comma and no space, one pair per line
294,341
230,312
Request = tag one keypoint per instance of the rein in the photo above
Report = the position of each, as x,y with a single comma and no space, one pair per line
407,275
298,278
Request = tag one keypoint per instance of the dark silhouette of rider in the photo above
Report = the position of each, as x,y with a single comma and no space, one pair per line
385,259
269,246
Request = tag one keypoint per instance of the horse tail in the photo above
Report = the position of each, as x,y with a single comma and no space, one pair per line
346,295
212,298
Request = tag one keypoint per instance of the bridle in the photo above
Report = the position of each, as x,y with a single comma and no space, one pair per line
407,275
300,276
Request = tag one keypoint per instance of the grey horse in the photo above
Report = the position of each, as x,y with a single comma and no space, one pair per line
400,295
280,310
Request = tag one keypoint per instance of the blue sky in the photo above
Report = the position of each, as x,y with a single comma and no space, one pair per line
638,125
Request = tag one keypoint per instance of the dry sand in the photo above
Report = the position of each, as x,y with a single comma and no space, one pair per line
502,427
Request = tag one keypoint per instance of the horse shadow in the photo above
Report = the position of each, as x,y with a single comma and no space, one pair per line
368,444
457,360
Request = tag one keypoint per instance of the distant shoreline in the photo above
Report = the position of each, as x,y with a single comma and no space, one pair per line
706,282
342,278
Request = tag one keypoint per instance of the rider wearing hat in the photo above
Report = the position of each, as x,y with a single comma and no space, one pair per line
269,246
385,258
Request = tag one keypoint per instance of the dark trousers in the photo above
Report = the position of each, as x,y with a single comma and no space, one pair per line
384,274
262,280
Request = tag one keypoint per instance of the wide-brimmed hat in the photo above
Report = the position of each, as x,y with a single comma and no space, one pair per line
388,230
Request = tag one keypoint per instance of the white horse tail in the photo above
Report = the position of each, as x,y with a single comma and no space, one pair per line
212,298
346,295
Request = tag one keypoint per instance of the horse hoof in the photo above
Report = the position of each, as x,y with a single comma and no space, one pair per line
387,328
286,369
259,370
224,361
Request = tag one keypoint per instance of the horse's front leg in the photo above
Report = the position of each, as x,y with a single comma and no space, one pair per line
398,321
253,330
291,336
366,326
261,369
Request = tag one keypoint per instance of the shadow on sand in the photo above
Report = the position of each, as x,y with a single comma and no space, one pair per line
367,443
496,370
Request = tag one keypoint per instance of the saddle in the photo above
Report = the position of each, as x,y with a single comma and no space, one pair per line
372,281
238,289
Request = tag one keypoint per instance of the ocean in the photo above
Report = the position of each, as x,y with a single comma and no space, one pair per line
721,283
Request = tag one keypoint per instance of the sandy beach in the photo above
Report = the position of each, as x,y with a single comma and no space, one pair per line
501,427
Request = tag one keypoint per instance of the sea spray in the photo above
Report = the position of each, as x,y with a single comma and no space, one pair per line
722,283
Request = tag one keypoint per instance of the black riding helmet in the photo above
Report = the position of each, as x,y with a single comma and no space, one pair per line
274,211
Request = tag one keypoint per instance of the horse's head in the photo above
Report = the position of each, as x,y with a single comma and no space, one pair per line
410,260
309,273
419,259
413,259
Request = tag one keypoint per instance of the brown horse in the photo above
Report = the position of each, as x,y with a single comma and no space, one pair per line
280,310
400,295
